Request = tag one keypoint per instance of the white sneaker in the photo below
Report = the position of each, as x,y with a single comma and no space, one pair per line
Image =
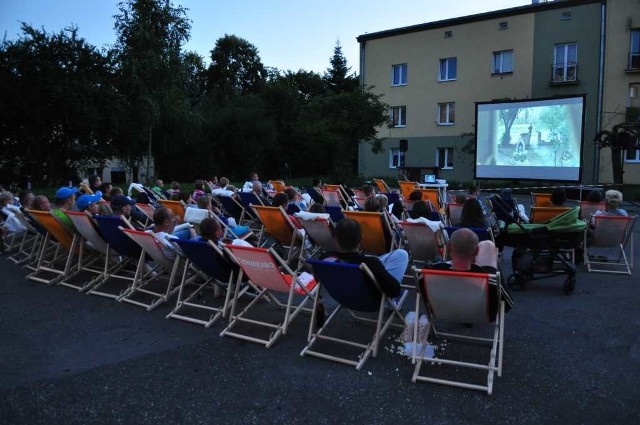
410,323
423,329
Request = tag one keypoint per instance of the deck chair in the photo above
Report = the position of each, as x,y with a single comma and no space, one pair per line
505,210
212,269
454,211
355,289
126,262
610,233
434,196
336,213
278,185
460,297
382,186
542,215
40,245
25,241
332,198
52,270
540,199
358,192
359,201
262,266
178,207
344,195
588,208
423,244
407,187
147,210
147,283
320,231
93,250
248,217
231,207
278,225
377,236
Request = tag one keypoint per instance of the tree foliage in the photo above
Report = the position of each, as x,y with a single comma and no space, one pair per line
58,105
65,103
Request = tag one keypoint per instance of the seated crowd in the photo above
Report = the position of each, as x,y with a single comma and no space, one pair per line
204,210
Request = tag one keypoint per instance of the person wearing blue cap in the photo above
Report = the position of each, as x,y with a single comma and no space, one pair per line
89,203
65,200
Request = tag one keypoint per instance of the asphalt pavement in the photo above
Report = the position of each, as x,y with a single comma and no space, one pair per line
72,358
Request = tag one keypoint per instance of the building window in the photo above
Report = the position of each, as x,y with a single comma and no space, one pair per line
398,116
503,25
632,155
566,16
565,63
399,75
448,34
503,62
634,50
446,113
396,158
448,69
444,158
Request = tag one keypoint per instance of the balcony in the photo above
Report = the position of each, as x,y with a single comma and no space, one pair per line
564,74
634,63
633,114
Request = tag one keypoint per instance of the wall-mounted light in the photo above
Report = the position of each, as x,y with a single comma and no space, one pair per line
633,91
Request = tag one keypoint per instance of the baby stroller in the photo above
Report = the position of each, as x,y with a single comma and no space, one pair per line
544,249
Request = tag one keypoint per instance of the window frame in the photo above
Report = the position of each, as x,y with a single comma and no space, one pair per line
402,116
446,62
634,51
448,113
396,153
635,160
447,160
565,64
403,68
500,70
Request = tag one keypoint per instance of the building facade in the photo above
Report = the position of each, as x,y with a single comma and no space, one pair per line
431,75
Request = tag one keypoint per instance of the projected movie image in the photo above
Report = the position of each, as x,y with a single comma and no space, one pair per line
533,139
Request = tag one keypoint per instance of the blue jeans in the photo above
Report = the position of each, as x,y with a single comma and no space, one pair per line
396,263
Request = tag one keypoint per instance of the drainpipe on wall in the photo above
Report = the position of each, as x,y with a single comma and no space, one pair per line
596,157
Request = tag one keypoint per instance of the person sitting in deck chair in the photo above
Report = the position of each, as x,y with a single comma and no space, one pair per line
210,230
388,269
164,221
470,254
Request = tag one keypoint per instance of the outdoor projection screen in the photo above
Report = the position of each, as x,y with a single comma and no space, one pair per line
536,139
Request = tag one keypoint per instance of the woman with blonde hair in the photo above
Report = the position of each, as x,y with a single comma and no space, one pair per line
612,201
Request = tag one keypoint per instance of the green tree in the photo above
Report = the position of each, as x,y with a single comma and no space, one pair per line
337,76
235,69
59,108
335,125
148,49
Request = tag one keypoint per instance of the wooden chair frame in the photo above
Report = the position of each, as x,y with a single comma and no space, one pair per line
440,290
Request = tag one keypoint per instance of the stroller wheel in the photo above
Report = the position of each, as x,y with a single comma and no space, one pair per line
569,285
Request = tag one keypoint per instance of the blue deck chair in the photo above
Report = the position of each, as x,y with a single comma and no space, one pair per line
248,215
355,288
210,261
232,207
123,246
315,195
504,209
336,213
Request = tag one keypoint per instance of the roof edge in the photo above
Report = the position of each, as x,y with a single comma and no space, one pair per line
502,13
